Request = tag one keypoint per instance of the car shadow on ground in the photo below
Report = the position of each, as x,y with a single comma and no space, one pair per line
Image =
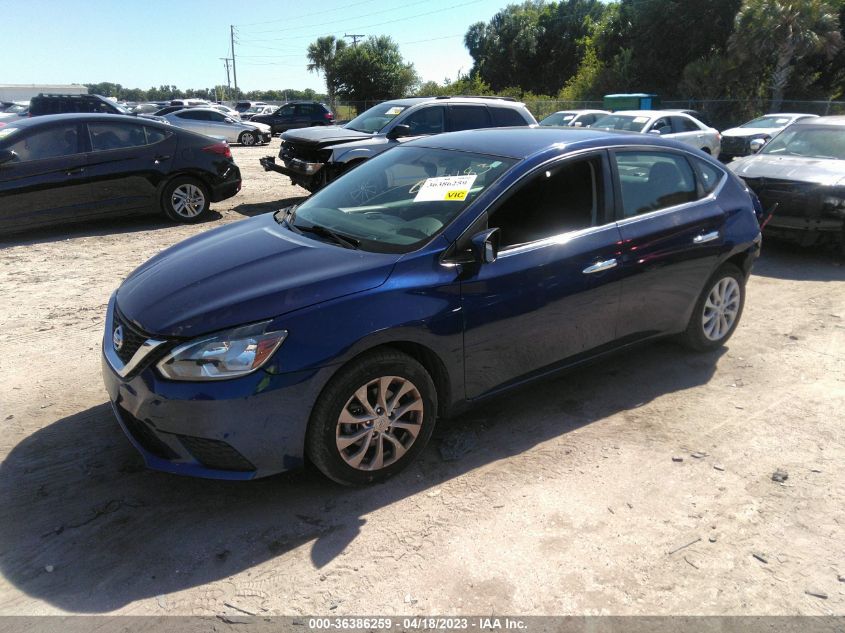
253,209
95,228
87,529
785,260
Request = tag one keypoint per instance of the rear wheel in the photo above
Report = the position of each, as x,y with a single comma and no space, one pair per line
717,311
248,138
185,199
372,419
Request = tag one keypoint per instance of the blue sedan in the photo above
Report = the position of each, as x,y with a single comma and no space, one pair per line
438,274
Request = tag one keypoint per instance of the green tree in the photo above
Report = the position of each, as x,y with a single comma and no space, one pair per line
322,57
775,35
373,71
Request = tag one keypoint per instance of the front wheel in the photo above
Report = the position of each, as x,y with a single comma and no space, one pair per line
717,311
185,200
372,419
248,138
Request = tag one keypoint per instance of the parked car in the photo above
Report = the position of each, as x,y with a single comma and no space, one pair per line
243,106
802,171
19,110
341,330
698,115
231,112
62,104
146,108
573,118
674,125
314,156
296,114
168,110
259,109
64,168
211,122
737,140
191,103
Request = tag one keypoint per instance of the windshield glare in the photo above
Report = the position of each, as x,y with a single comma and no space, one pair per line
768,121
399,200
376,118
621,122
815,142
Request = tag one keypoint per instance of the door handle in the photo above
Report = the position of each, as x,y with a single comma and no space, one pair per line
158,159
706,237
600,266
74,171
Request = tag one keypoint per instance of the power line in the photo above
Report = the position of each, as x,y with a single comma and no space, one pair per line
307,15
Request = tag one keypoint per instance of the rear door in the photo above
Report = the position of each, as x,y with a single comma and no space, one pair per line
46,184
687,131
193,120
468,117
126,164
553,293
672,229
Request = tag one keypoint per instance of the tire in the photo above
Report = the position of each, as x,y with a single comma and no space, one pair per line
717,311
185,199
248,138
348,452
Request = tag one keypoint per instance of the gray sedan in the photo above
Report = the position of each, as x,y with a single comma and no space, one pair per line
214,123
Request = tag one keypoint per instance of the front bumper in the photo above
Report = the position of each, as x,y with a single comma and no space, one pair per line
242,428
294,168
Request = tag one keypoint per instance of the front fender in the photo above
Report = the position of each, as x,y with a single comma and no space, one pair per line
344,156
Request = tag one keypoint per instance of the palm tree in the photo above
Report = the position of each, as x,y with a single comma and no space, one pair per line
322,55
781,32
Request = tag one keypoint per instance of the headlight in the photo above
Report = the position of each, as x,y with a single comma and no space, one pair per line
236,352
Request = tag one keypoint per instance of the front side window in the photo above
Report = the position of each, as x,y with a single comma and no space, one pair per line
554,201
376,117
56,141
106,136
662,125
426,121
400,199
468,117
650,181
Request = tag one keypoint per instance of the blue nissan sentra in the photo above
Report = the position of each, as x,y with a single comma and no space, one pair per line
444,271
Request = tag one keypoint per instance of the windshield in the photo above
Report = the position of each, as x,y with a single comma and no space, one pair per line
255,110
768,121
621,122
6,131
17,108
813,142
375,118
400,199
558,118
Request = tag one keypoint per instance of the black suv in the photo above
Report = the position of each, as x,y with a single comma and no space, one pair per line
296,114
315,156
63,104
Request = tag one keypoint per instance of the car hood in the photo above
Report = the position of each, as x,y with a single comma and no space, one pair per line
245,272
324,135
820,171
752,131
255,124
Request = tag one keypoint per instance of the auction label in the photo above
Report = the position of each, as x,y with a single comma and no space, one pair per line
445,188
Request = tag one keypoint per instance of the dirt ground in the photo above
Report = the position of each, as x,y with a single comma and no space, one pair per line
561,498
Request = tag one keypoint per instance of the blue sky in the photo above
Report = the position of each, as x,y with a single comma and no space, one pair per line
141,43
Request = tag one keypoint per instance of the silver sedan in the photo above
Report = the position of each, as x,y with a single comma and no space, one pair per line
666,123
214,123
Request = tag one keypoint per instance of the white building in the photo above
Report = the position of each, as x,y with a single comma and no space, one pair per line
25,92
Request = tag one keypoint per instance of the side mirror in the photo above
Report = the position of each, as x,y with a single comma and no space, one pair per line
7,155
655,131
399,131
229,121
756,145
577,124
485,245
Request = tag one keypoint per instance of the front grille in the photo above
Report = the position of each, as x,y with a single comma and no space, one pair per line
145,436
133,338
793,198
305,152
734,145
215,454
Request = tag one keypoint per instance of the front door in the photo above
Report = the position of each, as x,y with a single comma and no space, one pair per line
46,183
553,293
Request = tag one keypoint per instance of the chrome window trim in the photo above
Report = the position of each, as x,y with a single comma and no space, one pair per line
113,359
560,238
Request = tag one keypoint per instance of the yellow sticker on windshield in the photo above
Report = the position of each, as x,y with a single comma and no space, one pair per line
394,110
445,188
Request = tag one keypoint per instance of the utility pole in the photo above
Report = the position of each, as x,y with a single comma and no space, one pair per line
234,68
355,37
228,80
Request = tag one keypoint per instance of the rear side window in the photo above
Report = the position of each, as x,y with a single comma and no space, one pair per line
106,136
468,117
650,181
711,176
193,115
682,124
507,117
53,142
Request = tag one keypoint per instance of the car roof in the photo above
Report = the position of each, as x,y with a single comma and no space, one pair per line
789,114
522,142
410,101
581,111
78,116
649,113
836,120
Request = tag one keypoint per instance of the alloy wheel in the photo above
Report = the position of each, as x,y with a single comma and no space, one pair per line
187,200
721,308
379,423
247,138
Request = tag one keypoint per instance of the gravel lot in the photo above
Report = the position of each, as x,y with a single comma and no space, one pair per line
562,498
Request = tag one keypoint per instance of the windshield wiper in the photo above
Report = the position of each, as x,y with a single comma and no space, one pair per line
322,231
285,216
